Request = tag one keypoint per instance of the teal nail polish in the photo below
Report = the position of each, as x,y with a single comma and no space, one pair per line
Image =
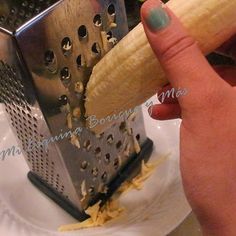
157,19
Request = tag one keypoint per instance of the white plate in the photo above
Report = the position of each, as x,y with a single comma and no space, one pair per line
156,210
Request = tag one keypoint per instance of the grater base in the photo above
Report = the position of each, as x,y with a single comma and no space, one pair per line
128,172
57,198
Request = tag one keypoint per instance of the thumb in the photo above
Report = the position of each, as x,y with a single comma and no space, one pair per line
184,64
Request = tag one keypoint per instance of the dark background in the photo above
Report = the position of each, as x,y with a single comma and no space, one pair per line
133,14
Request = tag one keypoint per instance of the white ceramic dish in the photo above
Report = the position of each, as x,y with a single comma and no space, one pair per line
156,210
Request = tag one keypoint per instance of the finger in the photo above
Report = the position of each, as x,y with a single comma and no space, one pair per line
170,98
165,111
228,73
178,53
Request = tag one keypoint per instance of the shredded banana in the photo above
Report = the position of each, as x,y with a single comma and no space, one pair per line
146,171
113,25
111,210
79,87
98,216
83,190
77,113
67,46
75,141
69,121
127,150
105,42
113,40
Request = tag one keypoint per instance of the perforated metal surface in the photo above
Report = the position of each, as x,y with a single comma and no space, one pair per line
44,96
14,13
26,126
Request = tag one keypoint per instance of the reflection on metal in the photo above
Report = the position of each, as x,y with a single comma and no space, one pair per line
47,52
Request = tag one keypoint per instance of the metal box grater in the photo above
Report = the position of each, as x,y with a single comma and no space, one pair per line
47,52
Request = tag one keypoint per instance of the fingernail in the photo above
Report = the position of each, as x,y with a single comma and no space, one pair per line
150,110
157,18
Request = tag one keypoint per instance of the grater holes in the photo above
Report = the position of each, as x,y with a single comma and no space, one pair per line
50,61
96,48
79,87
49,57
97,20
62,189
12,11
87,145
82,32
24,4
109,35
110,139
80,61
107,158
28,108
63,100
31,6
2,19
37,10
111,10
138,137
104,177
21,12
122,127
66,46
118,144
83,165
91,191
100,136
116,163
98,152
65,76
95,172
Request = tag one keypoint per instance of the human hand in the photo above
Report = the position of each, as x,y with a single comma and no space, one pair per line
208,112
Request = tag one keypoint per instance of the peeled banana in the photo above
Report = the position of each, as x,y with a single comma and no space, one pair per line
130,73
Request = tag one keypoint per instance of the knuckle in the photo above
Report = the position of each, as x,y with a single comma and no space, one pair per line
178,46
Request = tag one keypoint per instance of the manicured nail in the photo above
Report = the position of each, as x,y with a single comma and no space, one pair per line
157,18
150,110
